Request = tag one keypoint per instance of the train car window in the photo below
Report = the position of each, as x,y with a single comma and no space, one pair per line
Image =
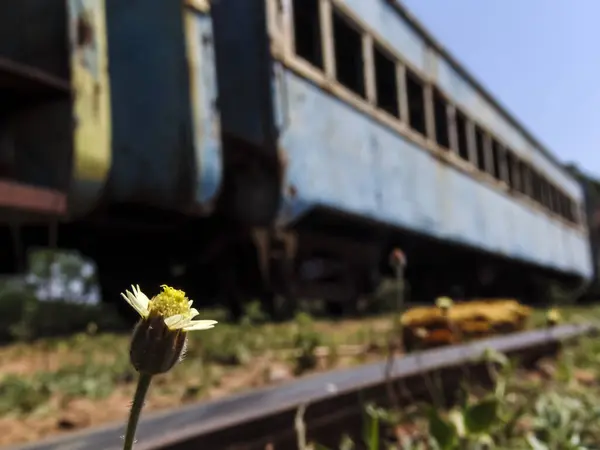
461,134
555,200
542,194
570,205
510,169
307,31
498,159
546,201
551,197
557,209
349,63
386,86
536,184
440,111
560,202
415,94
526,177
480,147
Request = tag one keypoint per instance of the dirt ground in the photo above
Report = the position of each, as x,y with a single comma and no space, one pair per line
62,413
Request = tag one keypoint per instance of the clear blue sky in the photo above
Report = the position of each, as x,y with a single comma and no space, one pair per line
539,58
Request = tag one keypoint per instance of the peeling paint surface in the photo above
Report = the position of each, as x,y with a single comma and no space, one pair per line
340,159
203,91
91,101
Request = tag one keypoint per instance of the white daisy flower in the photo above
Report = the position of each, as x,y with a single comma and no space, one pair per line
171,305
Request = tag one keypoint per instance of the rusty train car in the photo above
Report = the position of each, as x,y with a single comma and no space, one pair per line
272,149
591,190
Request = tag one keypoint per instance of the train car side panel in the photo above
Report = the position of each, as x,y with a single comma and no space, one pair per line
204,94
152,122
340,160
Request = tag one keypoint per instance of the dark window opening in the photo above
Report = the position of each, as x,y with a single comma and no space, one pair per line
415,94
551,197
497,156
571,214
510,169
570,205
545,193
480,147
536,184
386,85
440,111
349,63
554,200
525,175
461,134
307,31
560,204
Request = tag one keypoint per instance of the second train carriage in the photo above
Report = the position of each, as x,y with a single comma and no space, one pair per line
262,148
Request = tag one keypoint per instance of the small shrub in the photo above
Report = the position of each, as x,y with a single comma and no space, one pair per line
306,342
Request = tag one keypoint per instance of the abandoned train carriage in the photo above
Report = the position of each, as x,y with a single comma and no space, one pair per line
270,147
389,142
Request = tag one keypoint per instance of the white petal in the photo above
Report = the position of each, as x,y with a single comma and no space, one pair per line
196,325
193,313
137,300
177,321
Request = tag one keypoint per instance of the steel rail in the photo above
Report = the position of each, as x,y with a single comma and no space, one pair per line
252,420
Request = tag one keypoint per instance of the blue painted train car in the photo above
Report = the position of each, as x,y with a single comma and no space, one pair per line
271,148
111,144
390,142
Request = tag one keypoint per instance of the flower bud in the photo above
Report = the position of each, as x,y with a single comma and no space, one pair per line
444,303
155,348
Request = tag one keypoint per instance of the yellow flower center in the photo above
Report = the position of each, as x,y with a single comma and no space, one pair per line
169,302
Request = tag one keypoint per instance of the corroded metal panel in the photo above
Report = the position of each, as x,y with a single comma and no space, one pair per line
203,98
30,199
165,126
91,102
341,159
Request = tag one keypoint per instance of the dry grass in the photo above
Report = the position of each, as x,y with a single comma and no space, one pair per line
54,386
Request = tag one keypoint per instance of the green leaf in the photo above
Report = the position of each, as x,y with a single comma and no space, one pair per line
442,431
535,443
512,421
480,417
457,418
371,432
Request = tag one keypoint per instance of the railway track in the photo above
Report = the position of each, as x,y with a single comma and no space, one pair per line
334,400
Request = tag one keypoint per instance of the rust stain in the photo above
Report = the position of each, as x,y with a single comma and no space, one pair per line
85,31
292,191
91,83
24,197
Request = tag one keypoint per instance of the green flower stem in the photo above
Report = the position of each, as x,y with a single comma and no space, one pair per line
136,409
